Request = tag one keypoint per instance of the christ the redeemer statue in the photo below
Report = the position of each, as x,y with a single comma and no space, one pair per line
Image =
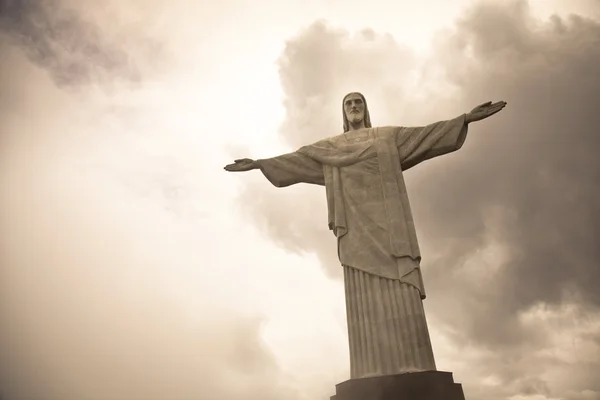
370,215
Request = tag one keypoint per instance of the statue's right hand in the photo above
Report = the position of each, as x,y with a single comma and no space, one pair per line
243,164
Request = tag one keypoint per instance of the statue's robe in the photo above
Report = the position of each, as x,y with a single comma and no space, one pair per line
369,213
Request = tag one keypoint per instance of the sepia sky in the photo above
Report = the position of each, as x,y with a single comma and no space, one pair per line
132,267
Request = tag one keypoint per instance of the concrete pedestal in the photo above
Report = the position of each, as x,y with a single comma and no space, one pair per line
428,385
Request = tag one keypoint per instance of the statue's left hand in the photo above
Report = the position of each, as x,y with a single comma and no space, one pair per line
485,110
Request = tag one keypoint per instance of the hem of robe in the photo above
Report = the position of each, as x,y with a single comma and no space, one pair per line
413,278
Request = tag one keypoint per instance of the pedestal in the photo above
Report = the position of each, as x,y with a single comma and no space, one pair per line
428,385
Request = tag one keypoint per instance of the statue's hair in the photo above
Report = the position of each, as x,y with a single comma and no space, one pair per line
367,118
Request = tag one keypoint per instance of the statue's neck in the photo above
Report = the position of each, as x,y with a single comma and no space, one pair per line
356,126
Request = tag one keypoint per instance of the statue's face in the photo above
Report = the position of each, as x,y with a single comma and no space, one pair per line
354,107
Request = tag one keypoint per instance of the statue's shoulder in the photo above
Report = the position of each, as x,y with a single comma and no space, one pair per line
327,143
331,141
389,128
335,138
386,131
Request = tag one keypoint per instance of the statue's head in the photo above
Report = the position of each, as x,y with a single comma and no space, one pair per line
355,110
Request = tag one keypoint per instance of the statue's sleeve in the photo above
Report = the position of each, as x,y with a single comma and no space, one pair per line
417,144
289,169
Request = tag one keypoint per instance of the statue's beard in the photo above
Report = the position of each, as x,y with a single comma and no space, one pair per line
355,118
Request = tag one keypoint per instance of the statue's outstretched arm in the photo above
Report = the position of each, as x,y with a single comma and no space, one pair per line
417,144
285,170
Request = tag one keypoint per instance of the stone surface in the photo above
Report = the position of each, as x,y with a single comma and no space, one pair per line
428,385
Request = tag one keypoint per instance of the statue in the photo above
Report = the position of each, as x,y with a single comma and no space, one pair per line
369,213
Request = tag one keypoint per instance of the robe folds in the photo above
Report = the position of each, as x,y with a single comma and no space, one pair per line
367,202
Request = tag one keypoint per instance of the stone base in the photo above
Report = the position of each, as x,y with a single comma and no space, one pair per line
428,385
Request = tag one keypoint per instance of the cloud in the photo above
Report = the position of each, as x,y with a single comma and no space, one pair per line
510,222
536,172
99,249
72,46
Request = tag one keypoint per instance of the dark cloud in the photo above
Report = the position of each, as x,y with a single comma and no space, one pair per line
527,180
535,164
73,48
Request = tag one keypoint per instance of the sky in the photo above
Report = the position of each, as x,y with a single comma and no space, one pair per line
133,267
